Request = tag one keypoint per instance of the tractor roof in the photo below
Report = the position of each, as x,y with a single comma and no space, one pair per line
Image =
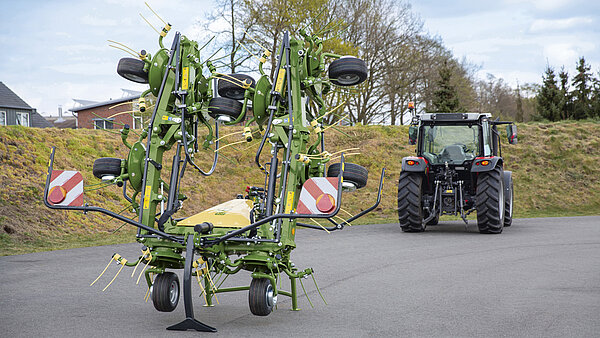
453,117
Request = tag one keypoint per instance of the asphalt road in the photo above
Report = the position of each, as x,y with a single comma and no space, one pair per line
540,278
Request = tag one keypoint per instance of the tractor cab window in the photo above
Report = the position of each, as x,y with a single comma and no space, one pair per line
487,148
452,144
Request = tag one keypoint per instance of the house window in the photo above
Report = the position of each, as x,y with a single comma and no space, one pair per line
23,119
2,118
103,124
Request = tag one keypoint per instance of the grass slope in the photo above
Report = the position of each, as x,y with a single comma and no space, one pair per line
555,168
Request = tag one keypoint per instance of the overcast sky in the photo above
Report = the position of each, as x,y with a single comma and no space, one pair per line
55,51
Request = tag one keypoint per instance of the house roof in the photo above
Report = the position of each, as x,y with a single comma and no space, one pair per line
9,99
104,103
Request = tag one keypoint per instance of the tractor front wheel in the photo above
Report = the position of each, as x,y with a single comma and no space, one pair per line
410,202
261,297
490,201
165,292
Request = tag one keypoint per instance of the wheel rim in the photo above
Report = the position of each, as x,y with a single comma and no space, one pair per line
134,78
173,292
501,202
348,79
269,298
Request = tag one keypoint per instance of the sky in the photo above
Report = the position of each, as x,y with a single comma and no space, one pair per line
56,51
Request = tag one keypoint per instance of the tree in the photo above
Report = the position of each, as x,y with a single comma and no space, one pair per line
519,117
445,97
566,106
582,91
548,99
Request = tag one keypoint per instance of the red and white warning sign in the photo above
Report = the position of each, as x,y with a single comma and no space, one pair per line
66,188
318,196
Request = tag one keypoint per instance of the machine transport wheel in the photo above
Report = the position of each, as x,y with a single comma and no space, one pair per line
353,173
132,70
410,202
260,297
225,109
490,202
107,166
347,71
165,292
508,198
230,89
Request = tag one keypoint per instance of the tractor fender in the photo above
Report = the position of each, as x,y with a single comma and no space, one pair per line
483,164
414,164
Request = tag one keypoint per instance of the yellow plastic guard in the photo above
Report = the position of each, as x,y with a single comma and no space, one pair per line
184,78
280,79
231,214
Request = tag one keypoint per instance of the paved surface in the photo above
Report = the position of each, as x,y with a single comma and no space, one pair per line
540,278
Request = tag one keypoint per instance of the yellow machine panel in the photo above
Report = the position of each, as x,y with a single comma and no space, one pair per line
231,214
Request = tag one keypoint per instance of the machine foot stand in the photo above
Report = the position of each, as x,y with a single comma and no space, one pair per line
192,324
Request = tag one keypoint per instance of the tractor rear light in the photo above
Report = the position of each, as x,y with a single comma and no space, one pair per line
411,162
484,162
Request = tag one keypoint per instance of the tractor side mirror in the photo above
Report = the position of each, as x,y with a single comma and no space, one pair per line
511,133
412,134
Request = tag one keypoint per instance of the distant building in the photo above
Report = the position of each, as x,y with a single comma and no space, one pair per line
15,111
111,114
62,122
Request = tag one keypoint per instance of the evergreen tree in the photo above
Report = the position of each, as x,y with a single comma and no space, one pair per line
582,91
566,105
519,117
596,97
548,98
446,97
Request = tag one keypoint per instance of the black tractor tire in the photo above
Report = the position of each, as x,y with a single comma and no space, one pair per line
222,106
508,198
232,90
489,201
260,297
353,173
410,202
347,71
132,70
107,166
165,292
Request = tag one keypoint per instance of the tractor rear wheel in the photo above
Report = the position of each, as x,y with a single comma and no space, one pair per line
261,297
132,70
107,166
230,85
165,292
508,198
353,173
410,202
489,200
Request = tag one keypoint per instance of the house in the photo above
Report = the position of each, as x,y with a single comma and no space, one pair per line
15,111
111,114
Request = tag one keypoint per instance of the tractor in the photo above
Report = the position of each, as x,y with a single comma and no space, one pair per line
458,169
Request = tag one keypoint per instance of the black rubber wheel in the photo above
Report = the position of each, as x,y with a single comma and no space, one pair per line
232,90
107,166
165,292
347,71
132,70
410,202
489,201
508,198
260,297
220,107
353,173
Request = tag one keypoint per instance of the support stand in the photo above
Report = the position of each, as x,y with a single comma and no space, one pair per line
189,323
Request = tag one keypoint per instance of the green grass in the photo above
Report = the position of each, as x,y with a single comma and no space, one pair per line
555,169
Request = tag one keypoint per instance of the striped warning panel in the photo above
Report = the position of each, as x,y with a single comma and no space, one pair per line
318,196
66,188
